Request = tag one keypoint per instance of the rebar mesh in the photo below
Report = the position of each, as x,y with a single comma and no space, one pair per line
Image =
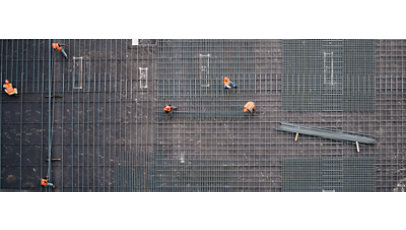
328,174
209,138
328,75
113,135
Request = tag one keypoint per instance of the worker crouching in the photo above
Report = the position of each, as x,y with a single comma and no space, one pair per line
45,182
8,88
168,109
228,84
59,47
249,106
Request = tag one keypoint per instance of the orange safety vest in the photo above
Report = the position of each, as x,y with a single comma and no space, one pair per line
168,108
9,87
226,81
249,106
44,182
56,46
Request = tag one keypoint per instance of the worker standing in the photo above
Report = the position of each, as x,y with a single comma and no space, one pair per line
168,109
59,47
8,88
228,84
249,106
45,182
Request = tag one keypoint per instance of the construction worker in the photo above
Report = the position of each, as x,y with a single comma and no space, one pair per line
45,182
228,84
9,88
59,47
168,109
249,106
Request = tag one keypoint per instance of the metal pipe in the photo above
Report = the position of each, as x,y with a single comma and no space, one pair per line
49,108
326,133
1,106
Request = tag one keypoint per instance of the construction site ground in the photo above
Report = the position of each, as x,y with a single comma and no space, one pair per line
100,116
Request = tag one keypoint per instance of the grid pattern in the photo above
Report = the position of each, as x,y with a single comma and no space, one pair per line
89,111
328,174
209,144
112,134
328,75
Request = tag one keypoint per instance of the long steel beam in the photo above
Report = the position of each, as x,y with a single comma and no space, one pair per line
326,133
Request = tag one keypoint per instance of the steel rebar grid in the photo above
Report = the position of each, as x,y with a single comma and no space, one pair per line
216,167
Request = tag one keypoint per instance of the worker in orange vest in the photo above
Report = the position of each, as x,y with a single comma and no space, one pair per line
9,88
59,47
228,84
168,109
45,182
249,106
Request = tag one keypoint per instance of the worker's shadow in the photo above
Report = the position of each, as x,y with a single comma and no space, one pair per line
230,92
168,115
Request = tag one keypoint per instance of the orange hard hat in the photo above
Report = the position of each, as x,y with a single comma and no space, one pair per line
7,81
56,46
44,182
245,110
168,108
